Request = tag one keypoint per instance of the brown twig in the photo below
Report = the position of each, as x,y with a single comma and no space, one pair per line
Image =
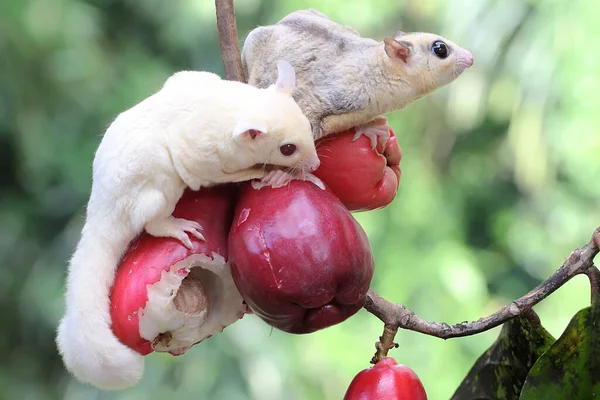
228,36
579,262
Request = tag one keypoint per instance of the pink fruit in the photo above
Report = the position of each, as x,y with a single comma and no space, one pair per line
166,297
387,380
363,178
298,257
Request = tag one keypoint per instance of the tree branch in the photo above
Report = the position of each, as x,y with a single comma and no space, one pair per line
228,36
579,261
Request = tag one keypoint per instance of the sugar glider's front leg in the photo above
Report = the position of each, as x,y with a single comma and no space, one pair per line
156,208
376,129
250,175
242,175
276,178
279,178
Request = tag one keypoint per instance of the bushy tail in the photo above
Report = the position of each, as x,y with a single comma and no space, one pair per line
89,348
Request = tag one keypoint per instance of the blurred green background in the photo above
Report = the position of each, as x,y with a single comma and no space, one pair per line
500,183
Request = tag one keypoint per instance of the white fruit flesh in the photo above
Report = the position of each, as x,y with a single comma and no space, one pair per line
192,301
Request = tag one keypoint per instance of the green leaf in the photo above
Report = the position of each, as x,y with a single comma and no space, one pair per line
500,372
570,368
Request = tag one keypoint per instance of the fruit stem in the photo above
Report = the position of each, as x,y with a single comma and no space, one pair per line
385,343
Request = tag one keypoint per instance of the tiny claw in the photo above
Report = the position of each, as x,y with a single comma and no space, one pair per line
372,138
176,228
186,241
198,235
191,227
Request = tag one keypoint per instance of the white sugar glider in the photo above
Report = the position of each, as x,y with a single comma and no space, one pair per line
345,80
197,131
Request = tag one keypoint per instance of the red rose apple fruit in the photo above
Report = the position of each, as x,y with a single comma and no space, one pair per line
298,257
166,297
387,380
362,177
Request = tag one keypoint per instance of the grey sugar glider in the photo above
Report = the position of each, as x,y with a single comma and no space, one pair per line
345,80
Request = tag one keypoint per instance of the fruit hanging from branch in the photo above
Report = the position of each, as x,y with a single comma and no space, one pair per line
387,380
299,258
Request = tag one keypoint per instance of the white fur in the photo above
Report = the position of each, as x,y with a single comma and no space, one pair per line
181,136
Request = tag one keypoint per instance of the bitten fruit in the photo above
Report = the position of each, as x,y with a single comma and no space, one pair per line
298,257
167,298
363,178
386,380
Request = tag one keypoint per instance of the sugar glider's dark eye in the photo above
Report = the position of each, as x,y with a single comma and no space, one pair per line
440,49
288,149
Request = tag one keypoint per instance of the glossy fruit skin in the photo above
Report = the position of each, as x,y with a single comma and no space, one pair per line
298,257
363,178
148,257
386,380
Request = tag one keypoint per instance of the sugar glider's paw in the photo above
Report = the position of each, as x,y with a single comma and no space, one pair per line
96,356
280,178
176,228
277,178
377,130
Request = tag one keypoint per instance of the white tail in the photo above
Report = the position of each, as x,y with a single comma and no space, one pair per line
90,350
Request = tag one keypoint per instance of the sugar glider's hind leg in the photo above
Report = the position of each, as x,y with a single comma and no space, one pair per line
153,211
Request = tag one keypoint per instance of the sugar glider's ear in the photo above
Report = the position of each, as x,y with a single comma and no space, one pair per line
397,49
248,131
286,78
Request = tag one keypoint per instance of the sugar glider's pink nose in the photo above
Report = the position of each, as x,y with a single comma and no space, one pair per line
468,57
313,164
